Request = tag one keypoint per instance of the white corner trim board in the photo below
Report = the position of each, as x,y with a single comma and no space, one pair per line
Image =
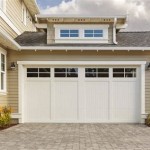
9,22
142,90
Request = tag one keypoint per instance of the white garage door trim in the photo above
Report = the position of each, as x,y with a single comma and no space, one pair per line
21,74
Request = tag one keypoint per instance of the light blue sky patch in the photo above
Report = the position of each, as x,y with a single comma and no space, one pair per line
49,3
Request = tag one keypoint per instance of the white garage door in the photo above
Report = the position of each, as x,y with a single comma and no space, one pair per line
82,94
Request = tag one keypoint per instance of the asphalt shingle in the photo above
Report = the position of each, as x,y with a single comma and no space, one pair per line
124,39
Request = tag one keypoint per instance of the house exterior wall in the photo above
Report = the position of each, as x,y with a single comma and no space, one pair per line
14,13
14,56
50,34
4,26
3,100
11,19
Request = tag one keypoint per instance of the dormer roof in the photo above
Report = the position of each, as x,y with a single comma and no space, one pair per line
80,19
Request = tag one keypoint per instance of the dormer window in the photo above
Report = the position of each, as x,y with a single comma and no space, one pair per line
69,33
93,33
81,33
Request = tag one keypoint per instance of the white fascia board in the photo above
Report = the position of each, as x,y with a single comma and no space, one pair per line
81,62
120,26
76,16
82,48
8,21
41,26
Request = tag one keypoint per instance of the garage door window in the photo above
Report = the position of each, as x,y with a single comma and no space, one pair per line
124,72
66,72
38,72
96,72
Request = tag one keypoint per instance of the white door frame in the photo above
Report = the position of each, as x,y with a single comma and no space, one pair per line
21,74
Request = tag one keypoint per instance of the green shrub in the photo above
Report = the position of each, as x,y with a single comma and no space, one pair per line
148,120
5,116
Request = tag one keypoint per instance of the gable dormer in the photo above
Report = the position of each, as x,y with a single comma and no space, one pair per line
100,30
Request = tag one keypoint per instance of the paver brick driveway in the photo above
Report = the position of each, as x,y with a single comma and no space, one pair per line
76,137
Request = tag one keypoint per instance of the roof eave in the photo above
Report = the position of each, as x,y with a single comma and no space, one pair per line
32,7
42,16
79,19
51,48
10,40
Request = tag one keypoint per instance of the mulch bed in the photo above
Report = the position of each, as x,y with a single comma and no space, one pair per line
12,125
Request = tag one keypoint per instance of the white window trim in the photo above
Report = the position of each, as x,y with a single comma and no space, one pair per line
81,38
4,91
24,14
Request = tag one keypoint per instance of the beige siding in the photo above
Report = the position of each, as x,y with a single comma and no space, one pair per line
14,56
110,34
4,26
147,86
14,13
13,89
3,100
50,34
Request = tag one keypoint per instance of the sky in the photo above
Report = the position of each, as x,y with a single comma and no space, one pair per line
138,11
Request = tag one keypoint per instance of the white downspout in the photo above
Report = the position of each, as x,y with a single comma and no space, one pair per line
114,31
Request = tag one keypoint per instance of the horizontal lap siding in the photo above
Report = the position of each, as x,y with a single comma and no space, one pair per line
4,26
13,87
14,13
110,34
147,88
70,56
3,100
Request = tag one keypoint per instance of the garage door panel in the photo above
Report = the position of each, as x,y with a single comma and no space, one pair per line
97,97
37,101
66,100
82,94
125,101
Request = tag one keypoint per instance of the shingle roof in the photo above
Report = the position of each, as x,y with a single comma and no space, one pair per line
124,39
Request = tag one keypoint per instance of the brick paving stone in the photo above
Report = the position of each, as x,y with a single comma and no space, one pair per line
76,137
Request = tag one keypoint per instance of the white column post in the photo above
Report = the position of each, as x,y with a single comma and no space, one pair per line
20,90
142,93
